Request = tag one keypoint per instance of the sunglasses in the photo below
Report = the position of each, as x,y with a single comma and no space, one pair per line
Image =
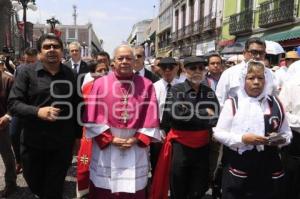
257,52
195,67
49,46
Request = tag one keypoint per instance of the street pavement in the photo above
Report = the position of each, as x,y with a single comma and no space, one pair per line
23,191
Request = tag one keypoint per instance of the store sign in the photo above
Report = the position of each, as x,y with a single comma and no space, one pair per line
205,47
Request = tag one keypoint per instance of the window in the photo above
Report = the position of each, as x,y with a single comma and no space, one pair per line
201,9
183,9
191,11
176,20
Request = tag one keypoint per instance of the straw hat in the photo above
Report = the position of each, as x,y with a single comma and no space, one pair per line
292,55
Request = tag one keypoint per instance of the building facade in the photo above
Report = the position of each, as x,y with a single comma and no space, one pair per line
276,20
196,26
165,17
5,23
84,34
149,42
137,35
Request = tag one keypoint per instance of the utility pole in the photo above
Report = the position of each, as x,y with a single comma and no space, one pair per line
75,14
75,20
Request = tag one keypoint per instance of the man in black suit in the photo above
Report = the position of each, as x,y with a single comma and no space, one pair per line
139,68
79,66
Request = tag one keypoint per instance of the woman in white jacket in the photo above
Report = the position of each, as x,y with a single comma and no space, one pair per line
252,127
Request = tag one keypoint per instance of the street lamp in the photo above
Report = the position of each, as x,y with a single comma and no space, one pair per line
83,46
18,5
52,21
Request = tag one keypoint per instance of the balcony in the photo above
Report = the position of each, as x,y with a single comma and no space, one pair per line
276,12
174,36
241,23
164,44
209,23
198,27
189,30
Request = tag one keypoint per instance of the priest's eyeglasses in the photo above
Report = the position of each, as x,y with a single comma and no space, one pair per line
120,59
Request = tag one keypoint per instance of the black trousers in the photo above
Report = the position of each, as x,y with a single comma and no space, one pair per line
45,170
154,154
189,171
15,133
8,158
291,163
253,175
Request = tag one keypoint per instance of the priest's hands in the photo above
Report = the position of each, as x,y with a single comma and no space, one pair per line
124,143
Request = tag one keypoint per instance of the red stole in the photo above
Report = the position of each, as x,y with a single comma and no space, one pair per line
193,139
85,150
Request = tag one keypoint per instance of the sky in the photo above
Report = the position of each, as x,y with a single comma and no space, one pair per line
112,19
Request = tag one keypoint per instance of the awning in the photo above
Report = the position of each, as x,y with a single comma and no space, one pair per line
284,35
224,43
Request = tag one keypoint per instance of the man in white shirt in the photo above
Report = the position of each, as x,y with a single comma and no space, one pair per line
228,84
289,96
168,67
281,74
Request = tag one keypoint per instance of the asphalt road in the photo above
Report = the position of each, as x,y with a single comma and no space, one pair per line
23,191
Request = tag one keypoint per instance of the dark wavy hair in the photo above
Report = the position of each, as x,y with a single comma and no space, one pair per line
50,36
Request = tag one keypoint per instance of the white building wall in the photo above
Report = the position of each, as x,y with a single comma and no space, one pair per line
206,7
197,10
187,12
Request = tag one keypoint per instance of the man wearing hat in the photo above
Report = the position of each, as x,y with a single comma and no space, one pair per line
168,68
281,74
192,109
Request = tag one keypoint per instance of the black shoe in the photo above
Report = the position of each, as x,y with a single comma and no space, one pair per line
8,190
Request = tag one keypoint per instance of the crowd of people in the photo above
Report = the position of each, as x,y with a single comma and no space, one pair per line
174,130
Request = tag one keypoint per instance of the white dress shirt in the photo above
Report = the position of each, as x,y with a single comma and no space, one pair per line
141,72
78,65
293,69
229,82
161,93
290,99
281,76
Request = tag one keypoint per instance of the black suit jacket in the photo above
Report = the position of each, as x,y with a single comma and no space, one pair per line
83,69
152,77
